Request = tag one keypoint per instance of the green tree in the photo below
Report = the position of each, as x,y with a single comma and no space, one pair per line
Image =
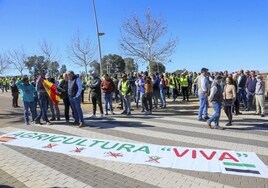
95,66
63,69
36,63
113,64
53,69
131,66
157,67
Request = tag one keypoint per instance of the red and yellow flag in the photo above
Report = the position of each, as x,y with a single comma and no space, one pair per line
51,91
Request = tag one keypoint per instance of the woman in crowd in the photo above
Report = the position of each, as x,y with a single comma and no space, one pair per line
229,96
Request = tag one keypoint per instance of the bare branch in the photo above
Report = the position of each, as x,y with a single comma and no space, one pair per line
3,64
145,39
80,52
49,52
17,58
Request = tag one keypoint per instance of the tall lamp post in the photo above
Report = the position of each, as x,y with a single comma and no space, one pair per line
98,34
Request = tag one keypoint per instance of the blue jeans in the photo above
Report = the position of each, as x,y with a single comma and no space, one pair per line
76,106
203,108
137,99
163,97
127,101
156,97
28,105
217,113
243,96
108,99
43,102
250,96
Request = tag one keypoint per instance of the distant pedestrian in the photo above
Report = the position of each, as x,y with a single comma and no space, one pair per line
241,82
108,87
259,95
251,86
126,93
14,92
162,86
27,94
148,96
95,93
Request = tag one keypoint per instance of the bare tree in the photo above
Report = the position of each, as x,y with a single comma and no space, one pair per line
146,39
52,57
17,59
3,64
80,52
49,52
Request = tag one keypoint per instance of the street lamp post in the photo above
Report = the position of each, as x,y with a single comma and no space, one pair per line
98,35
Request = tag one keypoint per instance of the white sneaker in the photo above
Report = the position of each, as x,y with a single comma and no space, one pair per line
101,116
146,113
92,116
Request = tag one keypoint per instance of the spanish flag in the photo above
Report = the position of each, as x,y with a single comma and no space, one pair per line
51,90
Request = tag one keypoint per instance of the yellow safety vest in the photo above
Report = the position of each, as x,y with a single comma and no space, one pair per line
125,86
184,82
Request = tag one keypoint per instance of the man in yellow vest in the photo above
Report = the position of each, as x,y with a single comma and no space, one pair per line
184,82
126,93
173,86
5,85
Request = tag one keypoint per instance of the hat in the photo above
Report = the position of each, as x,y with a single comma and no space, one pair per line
204,70
218,77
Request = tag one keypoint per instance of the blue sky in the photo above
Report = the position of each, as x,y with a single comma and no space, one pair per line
217,34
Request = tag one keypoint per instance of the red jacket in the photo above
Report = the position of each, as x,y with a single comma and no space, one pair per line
107,86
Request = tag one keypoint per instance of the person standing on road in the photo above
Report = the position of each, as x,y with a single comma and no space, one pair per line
216,99
241,82
203,92
251,86
63,88
42,98
126,93
14,92
27,94
95,92
259,95
162,86
229,95
74,94
108,87
53,107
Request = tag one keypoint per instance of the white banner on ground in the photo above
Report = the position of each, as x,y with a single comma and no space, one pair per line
209,160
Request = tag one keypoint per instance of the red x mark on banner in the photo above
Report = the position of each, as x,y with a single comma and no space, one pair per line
115,155
153,159
78,150
50,146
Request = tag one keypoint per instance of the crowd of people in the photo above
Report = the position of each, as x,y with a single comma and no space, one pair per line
232,92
